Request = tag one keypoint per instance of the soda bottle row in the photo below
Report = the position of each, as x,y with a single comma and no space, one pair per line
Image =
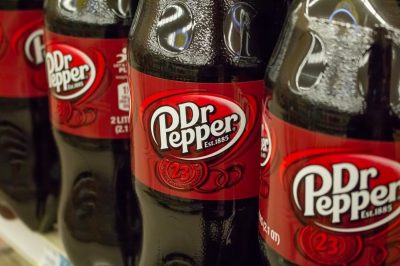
158,109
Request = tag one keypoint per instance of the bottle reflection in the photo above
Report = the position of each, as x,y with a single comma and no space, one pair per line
175,28
237,27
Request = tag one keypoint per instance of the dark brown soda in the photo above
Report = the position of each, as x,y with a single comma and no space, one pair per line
178,231
366,109
98,218
29,166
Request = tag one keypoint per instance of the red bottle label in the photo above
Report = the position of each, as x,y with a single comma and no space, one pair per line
339,198
22,72
89,87
196,140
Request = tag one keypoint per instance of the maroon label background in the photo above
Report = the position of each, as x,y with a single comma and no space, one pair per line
19,78
238,162
300,240
91,114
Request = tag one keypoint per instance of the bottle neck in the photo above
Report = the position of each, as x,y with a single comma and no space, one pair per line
90,18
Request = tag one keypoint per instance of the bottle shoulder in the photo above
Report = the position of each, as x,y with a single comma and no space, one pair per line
100,20
204,43
321,73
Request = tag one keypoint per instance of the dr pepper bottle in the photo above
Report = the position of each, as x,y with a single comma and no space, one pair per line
196,70
86,60
333,125
29,166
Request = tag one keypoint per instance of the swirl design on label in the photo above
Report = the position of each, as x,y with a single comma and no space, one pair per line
89,85
196,140
340,197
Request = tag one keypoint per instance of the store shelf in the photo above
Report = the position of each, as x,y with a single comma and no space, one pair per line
40,250
8,257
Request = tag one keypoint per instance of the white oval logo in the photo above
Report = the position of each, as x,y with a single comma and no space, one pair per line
196,127
347,192
71,73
